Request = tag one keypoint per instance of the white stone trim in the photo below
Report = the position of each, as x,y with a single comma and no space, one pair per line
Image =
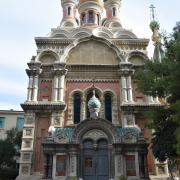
54,167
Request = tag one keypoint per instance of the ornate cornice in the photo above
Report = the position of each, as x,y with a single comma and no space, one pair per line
143,42
115,41
135,107
44,107
33,72
95,81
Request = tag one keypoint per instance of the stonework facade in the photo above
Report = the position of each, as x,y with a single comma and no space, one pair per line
60,138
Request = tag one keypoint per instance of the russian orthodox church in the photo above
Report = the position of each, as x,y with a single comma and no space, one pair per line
83,113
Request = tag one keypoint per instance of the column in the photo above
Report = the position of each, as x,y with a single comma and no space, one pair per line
61,88
111,161
86,18
129,89
30,85
102,110
118,165
73,165
124,91
35,88
55,93
83,108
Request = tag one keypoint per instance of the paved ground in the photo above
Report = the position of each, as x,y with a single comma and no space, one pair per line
162,178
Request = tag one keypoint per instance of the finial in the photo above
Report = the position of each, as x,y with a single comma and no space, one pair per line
156,37
152,8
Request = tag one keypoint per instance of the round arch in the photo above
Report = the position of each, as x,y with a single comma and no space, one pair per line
96,124
137,58
119,54
48,53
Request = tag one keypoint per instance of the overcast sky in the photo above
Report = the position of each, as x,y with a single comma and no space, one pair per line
22,20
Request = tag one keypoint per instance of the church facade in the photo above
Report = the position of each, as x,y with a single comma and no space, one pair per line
83,113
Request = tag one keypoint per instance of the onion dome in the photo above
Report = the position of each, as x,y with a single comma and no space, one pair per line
94,102
96,1
94,106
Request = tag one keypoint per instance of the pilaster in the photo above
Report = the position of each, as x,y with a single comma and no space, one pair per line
59,72
27,145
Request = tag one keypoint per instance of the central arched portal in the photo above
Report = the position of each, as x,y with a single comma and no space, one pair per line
95,160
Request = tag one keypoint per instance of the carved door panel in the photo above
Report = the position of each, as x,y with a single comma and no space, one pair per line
102,172
89,161
95,161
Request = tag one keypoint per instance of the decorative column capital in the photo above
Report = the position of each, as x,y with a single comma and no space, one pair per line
60,72
59,69
126,69
33,72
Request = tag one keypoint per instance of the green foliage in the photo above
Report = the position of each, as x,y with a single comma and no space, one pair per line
122,178
8,174
163,79
14,136
7,152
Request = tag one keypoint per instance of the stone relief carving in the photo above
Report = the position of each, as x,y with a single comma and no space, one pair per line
61,139
26,157
25,170
95,134
26,144
28,132
29,118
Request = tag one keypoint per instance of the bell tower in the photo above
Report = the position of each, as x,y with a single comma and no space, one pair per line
90,12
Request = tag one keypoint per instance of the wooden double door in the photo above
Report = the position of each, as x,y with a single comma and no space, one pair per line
95,160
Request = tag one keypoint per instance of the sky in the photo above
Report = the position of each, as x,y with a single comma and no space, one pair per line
22,20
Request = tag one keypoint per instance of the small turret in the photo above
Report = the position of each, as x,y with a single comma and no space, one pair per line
69,14
112,13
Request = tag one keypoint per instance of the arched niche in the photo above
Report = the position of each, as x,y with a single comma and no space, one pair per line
92,51
47,57
137,58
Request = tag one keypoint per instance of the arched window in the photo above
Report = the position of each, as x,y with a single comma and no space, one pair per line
77,108
114,11
89,96
108,107
69,11
91,17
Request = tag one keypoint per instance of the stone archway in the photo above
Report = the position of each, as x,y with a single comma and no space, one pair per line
96,158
